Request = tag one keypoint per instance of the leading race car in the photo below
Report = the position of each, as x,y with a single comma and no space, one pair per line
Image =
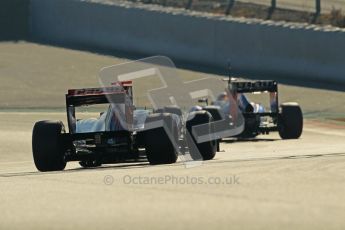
118,133
286,118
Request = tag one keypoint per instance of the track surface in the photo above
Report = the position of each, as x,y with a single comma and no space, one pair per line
266,183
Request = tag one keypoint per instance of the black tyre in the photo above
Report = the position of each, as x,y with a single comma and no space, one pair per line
215,111
159,141
251,124
47,146
217,115
207,149
290,122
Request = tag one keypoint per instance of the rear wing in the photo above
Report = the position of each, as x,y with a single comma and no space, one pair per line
89,96
118,93
258,86
254,86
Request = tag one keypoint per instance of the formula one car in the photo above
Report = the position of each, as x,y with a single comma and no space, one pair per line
118,133
287,118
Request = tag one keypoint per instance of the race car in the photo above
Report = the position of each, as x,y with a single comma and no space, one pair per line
286,118
119,132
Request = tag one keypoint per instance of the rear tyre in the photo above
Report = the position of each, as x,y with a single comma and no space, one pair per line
47,146
290,122
217,115
215,111
159,140
207,149
251,124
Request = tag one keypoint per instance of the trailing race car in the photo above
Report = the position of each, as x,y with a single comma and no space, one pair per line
118,133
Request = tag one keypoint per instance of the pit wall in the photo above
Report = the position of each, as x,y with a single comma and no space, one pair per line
263,48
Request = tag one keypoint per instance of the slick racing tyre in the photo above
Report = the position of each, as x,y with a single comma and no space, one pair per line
215,111
47,146
290,122
206,149
160,140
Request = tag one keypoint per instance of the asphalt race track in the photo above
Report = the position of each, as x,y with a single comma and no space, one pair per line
265,183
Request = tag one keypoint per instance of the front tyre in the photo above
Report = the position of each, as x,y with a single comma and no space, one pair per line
290,122
48,148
